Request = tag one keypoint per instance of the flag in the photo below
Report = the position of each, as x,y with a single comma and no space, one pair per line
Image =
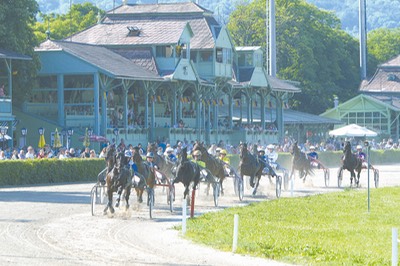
159,99
269,104
214,102
237,103
255,103
221,102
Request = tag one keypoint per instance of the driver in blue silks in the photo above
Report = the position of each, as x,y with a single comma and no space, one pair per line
169,154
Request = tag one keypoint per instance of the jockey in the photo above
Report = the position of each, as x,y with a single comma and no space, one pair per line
313,157
267,169
205,174
360,154
149,160
261,155
169,155
226,161
363,157
272,156
223,157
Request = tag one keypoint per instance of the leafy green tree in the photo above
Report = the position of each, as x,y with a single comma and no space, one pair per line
16,19
56,26
384,44
311,49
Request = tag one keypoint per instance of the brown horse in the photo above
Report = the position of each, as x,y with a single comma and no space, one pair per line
118,179
351,163
213,164
143,174
300,162
250,165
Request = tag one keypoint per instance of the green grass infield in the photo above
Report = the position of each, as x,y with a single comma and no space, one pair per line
324,229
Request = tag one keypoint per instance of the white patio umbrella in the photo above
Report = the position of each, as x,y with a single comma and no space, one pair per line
6,137
353,130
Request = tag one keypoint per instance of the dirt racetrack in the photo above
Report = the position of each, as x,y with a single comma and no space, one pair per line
53,225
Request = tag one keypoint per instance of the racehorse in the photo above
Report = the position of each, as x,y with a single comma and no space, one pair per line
250,165
351,163
213,164
143,174
187,172
300,162
118,179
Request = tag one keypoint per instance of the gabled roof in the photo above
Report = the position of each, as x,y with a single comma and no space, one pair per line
290,116
8,54
154,30
384,80
159,9
376,100
283,85
106,60
141,56
392,62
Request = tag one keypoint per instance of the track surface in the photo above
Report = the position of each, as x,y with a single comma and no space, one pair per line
53,225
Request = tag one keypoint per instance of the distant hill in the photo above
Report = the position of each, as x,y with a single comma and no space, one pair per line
380,13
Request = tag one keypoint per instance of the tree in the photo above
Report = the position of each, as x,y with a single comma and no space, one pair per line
16,18
384,44
80,17
311,48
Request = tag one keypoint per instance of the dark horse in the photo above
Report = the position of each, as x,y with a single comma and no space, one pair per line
351,163
187,172
300,162
143,174
118,179
213,164
250,165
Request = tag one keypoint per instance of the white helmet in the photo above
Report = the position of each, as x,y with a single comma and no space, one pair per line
359,147
312,147
271,146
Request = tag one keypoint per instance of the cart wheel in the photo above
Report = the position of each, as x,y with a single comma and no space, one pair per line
216,189
278,185
285,180
93,198
240,188
171,197
150,201
326,176
376,178
340,177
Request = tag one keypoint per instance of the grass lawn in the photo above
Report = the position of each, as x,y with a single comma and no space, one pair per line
325,229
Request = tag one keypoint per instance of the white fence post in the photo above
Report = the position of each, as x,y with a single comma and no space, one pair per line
291,185
235,232
395,246
184,217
